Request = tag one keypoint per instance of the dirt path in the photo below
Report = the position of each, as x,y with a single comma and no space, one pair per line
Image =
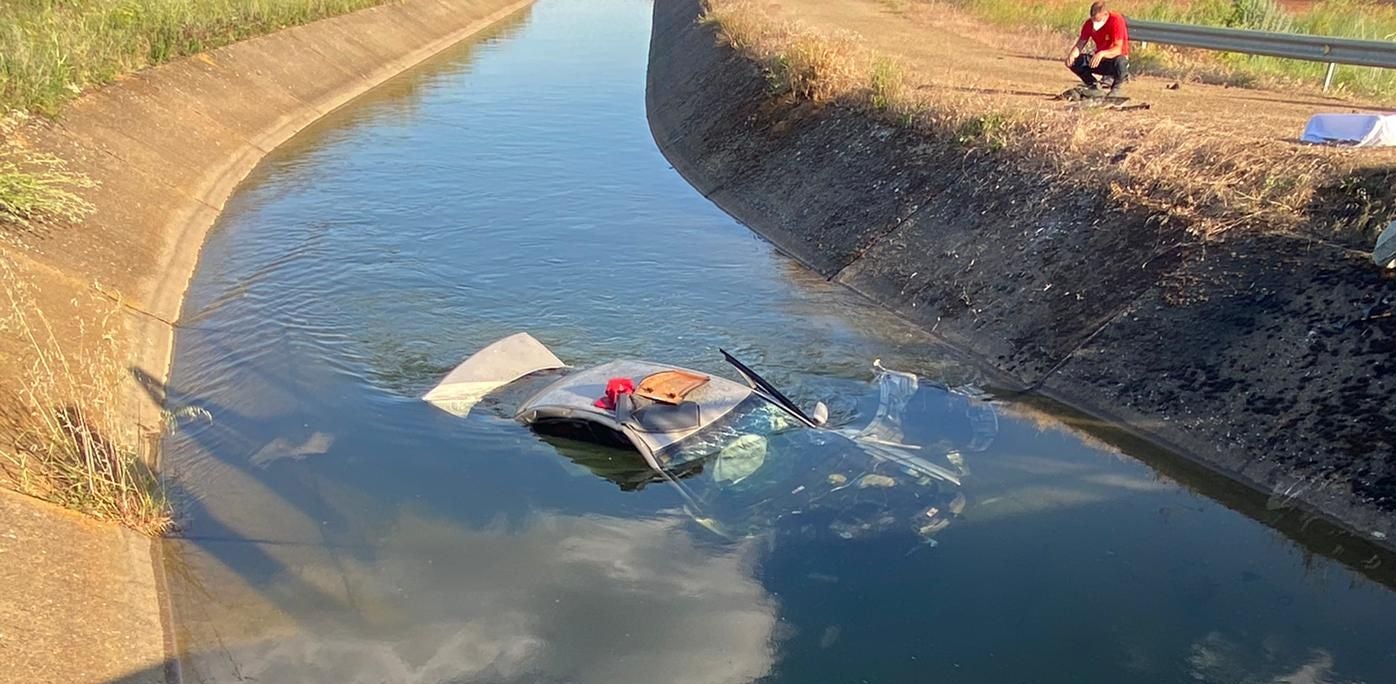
941,48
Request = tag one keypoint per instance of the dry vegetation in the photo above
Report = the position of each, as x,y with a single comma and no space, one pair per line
36,186
1210,182
71,443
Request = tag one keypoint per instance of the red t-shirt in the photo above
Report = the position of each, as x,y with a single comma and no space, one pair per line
1113,29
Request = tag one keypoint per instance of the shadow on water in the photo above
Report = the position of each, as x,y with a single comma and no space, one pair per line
256,566
1313,532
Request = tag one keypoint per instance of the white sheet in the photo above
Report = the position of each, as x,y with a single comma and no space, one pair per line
1358,130
1384,254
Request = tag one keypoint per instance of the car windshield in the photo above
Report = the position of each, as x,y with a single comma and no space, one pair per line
759,465
754,420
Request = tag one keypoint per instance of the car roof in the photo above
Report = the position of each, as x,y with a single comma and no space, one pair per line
573,397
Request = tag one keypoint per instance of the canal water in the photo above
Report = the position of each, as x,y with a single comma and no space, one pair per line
337,529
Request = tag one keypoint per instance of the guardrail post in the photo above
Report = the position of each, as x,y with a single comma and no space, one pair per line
1328,78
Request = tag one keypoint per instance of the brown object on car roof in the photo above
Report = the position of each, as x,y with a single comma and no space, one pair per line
670,386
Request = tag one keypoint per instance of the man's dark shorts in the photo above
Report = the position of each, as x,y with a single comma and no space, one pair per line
1114,67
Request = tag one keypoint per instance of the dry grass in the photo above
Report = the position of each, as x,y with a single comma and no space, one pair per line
36,187
741,25
808,65
73,446
1208,182
816,68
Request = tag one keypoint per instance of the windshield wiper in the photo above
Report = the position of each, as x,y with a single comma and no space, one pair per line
770,390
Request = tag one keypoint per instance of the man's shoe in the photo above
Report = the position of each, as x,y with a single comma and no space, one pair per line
1117,90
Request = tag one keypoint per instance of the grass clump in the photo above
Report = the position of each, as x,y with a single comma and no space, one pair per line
72,444
815,68
37,187
886,85
738,24
809,66
51,50
991,130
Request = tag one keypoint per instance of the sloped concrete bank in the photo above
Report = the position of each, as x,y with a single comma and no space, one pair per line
1263,357
167,148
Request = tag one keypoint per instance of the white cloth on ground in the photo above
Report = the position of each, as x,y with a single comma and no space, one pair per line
1358,130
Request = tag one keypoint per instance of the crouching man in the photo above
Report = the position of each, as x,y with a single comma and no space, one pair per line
1108,31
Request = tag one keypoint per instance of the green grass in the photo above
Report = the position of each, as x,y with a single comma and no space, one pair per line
1342,18
885,84
991,131
52,50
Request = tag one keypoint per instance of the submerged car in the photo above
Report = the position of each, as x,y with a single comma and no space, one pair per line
742,455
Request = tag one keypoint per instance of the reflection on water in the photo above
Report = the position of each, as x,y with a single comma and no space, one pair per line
557,598
338,530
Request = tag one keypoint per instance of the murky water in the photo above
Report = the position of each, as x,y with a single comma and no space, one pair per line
339,530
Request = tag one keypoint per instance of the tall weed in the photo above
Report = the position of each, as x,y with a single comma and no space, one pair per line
73,445
37,187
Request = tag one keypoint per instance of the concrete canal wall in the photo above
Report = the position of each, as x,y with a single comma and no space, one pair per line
167,147
1255,355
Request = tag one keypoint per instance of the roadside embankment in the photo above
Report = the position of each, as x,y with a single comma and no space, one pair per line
1198,280
165,147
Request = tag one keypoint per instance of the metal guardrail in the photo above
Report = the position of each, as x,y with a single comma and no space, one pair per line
1334,51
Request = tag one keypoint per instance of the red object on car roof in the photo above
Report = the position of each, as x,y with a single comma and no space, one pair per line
614,388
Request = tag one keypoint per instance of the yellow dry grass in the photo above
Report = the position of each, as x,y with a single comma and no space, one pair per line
806,64
71,443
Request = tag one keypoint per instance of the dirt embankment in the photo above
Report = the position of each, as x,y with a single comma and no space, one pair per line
1266,355
166,147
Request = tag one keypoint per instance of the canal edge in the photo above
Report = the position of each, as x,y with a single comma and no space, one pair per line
166,148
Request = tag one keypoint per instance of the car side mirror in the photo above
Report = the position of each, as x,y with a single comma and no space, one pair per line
625,405
820,414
